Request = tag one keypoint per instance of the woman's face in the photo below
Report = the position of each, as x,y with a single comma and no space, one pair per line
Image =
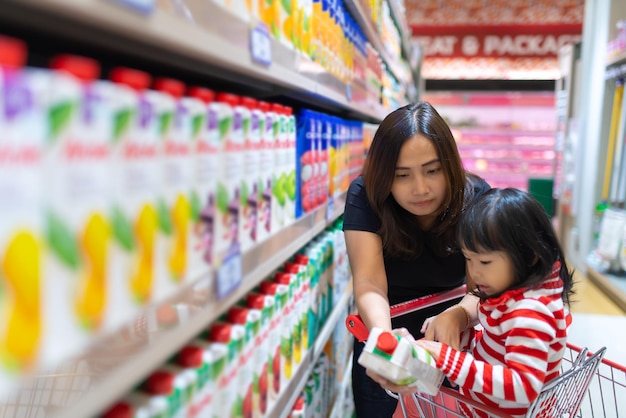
419,184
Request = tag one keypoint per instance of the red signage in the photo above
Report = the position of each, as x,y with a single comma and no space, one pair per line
514,41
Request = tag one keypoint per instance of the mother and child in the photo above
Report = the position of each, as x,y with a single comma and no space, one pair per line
416,223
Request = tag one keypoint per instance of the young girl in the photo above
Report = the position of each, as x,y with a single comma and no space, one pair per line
524,285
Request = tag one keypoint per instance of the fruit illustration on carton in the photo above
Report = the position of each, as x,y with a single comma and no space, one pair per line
401,362
21,277
145,229
181,220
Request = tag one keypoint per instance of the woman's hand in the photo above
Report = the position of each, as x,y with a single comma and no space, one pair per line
387,384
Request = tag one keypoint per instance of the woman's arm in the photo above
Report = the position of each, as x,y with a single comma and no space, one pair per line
365,253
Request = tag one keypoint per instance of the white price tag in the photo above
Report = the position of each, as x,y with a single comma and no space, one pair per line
229,273
330,210
261,44
143,6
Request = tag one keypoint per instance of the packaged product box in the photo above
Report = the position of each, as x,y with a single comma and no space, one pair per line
400,361
251,175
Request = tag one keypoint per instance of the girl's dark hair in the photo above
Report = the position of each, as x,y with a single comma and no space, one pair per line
400,232
513,221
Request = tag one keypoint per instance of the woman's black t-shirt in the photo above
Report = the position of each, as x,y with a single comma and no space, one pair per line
409,278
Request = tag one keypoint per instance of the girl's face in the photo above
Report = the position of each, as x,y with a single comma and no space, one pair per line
492,271
419,184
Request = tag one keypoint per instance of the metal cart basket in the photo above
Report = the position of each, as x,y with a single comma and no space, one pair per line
589,385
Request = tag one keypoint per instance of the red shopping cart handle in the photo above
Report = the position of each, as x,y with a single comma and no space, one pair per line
357,327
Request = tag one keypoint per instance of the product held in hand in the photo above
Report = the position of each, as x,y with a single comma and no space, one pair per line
397,360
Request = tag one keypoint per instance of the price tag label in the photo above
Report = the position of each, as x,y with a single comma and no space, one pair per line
143,6
330,210
349,92
261,44
230,273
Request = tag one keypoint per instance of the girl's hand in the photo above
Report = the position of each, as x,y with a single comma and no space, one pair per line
433,347
446,327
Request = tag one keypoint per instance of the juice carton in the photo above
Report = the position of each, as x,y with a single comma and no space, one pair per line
165,393
77,204
249,320
23,126
135,179
192,124
278,178
207,153
187,368
323,139
203,399
266,167
283,354
291,282
226,345
173,205
228,197
250,181
401,362
180,195
264,305
307,269
306,163
299,270
290,164
273,338
283,21
314,254
133,405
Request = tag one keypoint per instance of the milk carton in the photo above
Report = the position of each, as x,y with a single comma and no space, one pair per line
401,362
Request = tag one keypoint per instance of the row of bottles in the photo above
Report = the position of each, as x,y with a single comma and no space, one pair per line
240,364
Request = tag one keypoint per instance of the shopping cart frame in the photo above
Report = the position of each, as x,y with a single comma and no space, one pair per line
589,385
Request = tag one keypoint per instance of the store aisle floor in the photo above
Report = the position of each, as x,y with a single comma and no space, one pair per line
597,321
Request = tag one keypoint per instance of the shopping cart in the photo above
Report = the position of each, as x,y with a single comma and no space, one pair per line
589,385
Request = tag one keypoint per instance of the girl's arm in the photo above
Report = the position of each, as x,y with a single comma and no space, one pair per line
522,373
365,253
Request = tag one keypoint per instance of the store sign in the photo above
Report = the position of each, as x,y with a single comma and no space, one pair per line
496,41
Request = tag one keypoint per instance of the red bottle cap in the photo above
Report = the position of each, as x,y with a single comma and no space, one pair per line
291,268
190,356
231,99
264,106
204,94
287,110
299,404
85,69
269,288
160,383
387,342
238,315
220,333
170,86
283,278
301,259
119,410
12,52
255,301
249,102
135,79
277,108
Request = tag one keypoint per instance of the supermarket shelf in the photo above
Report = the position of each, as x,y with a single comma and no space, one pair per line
288,396
365,22
216,43
345,381
614,287
617,59
399,18
115,364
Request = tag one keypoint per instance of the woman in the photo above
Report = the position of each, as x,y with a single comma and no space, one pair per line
400,227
